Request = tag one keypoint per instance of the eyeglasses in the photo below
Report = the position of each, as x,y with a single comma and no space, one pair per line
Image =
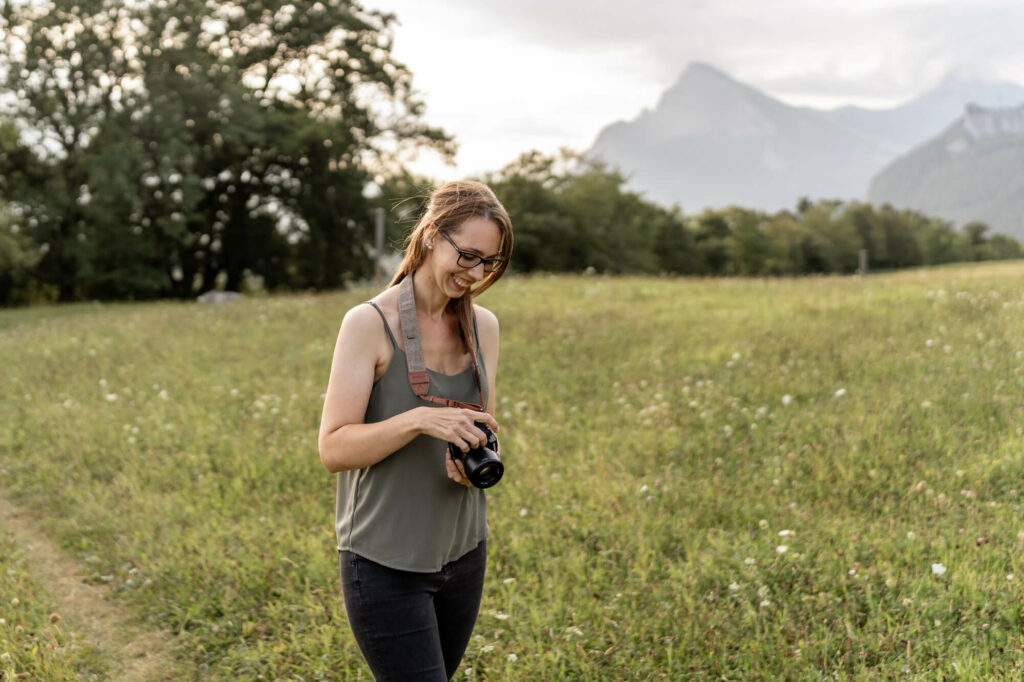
471,260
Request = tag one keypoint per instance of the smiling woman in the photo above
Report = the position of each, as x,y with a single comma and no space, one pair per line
411,528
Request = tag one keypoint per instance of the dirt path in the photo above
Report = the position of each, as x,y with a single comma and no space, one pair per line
133,652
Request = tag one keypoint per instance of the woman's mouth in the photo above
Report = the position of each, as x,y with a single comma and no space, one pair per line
460,284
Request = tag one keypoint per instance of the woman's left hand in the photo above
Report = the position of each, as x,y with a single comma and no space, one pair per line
456,471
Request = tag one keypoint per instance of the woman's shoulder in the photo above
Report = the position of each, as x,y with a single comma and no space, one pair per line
485,319
365,318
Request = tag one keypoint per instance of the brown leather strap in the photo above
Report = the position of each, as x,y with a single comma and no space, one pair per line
419,378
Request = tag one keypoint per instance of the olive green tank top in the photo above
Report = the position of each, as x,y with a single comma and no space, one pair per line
404,512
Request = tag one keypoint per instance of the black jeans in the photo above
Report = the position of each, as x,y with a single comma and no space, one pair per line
413,626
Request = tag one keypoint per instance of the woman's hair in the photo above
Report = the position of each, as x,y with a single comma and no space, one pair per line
451,205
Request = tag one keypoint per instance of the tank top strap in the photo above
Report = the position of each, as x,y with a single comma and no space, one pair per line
387,327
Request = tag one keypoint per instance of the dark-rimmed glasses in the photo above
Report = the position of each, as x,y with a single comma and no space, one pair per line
471,260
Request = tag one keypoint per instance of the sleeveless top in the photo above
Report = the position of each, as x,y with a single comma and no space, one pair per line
404,512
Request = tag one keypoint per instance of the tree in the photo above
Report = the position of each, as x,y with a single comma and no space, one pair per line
251,128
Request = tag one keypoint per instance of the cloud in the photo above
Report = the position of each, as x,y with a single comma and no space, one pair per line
865,49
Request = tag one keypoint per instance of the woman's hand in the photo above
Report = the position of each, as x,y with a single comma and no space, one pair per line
456,425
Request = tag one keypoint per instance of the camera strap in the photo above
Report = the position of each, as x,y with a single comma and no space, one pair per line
419,378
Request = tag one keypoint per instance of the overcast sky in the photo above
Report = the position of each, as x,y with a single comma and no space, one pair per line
506,76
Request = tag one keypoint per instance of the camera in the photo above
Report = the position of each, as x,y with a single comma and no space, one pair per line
483,468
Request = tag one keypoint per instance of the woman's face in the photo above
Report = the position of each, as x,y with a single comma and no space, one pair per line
478,236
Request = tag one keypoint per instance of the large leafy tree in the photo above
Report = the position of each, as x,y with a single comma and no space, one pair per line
184,143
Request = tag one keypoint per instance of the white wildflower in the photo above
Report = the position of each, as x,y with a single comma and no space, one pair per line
938,569
782,549
840,393
512,658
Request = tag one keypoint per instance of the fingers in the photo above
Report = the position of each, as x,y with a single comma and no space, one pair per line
486,418
456,471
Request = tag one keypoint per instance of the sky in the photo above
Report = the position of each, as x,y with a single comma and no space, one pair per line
508,76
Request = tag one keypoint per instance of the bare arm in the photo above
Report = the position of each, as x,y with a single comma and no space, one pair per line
345,441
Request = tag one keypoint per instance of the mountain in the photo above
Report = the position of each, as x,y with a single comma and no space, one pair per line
712,141
974,170
928,115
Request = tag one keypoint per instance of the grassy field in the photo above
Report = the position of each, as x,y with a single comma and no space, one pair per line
709,479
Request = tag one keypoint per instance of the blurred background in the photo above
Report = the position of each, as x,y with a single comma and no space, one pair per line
157,149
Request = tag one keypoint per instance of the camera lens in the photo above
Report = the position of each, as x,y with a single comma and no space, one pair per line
488,475
482,465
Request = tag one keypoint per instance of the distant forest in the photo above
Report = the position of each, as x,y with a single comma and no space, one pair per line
168,149
570,215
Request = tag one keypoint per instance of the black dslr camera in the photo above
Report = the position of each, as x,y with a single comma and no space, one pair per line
483,468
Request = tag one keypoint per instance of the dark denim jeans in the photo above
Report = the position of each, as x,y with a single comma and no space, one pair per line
413,626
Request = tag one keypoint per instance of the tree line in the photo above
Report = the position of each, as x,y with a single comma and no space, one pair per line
571,214
164,149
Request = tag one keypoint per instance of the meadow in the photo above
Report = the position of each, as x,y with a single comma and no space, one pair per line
798,479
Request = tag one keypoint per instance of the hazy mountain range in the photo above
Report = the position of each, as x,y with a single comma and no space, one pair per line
713,141
974,170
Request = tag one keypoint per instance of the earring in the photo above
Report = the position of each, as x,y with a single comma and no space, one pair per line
430,247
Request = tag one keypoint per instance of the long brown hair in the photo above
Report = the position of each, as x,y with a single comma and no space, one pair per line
451,205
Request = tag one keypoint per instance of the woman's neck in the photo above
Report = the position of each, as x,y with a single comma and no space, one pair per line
430,300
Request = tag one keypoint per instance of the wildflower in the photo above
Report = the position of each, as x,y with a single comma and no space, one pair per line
512,658
784,533
763,524
765,604
111,397
734,586
782,549
938,569
1009,576
749,561
501,616
522,512
786,400
487,649
508,581
840,393
573,630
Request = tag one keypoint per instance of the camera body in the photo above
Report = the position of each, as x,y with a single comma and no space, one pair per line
482,465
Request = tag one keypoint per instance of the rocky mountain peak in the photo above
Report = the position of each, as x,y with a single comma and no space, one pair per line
980,122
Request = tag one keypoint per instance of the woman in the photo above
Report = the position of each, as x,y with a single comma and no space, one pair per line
411,528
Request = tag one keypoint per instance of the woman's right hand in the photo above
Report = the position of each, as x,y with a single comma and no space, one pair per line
456,425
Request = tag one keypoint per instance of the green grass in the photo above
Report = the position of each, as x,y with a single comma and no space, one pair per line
664,439
34,641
